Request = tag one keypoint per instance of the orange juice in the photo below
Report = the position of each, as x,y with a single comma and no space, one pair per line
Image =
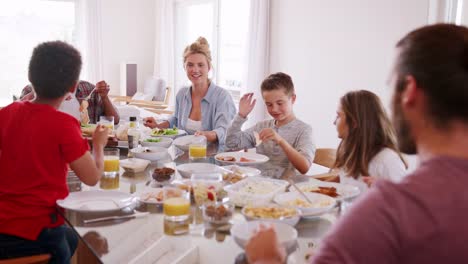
197,151
177,206
109,182
111,164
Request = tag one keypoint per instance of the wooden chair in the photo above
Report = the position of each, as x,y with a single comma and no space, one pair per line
326,157
36,259
158,107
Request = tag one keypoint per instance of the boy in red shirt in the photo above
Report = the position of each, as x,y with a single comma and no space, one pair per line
37,145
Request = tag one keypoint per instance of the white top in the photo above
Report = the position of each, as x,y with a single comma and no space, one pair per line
385,165
193,125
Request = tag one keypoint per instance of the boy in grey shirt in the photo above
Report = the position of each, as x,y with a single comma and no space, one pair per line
286,140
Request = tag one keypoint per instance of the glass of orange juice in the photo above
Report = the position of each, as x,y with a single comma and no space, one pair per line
176,205
111,161
197,148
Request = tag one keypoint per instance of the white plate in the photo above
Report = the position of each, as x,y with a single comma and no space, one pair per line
164,142
247,171
181,133
321,203
183,142
345,191
96,201
148,194
287,235
256,158
186,170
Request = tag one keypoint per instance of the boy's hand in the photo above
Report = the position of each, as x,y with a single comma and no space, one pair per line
270,134
246,105
100,135
264,247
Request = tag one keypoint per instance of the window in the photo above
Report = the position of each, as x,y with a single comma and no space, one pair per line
27,23
224,23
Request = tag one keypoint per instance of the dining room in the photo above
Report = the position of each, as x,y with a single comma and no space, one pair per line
208,122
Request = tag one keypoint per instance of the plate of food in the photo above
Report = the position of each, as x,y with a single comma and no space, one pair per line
150,195
338,191
167,132
241,158
319,205
88,129
272,213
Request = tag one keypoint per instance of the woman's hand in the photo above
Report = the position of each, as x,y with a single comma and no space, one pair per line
369,180
150,122
246,105
264,247
270,134
211,136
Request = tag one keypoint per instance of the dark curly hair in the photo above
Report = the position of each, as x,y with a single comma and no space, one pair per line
54,67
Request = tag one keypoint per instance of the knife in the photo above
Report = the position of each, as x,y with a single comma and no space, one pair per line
137,215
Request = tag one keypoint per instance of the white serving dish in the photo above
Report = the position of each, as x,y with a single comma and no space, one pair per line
254,191
291,220
247,171
184,142
134,165
165,142
287,235
186,170
320,203
155,153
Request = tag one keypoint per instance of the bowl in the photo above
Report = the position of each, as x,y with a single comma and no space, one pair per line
184,142
272,213
150,153
255,191
217,213
186,170
164,142
320,203
134,165
287,235
163,175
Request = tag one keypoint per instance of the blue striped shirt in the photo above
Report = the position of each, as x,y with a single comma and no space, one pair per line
217,109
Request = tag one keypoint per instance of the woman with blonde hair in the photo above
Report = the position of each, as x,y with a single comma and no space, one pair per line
368,150
202,108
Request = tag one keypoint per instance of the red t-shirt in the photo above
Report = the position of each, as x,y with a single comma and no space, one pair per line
36,142
422,219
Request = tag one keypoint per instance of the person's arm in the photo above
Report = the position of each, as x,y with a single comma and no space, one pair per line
369,233
102,88
225,112
87,169
235,137
151,123
264,248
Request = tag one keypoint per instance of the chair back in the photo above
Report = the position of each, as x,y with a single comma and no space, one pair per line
325,157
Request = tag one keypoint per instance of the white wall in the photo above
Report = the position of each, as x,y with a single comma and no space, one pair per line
330,47
128,34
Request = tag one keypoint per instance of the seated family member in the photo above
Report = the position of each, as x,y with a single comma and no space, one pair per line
38,144
99,104
203,108
368,148
420,219
285,139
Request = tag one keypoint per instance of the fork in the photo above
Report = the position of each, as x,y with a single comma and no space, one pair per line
89,95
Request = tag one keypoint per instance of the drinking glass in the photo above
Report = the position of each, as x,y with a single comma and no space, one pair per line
107,121
176,205
111,161
197,148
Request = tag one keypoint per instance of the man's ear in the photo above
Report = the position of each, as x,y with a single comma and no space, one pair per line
409,94
293,98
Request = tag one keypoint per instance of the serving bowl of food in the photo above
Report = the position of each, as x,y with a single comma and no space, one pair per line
163,175
255,191
164,142
188,169
320,203
134,165
272,213
150,153
217,213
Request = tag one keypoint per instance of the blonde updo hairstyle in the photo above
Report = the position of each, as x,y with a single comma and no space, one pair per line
200,46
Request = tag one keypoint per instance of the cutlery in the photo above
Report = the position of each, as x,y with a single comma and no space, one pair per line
300,191
89,95
131,216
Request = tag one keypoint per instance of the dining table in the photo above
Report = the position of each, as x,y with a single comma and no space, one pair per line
149,238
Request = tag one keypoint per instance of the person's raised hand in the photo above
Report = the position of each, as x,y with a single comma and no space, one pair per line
246,104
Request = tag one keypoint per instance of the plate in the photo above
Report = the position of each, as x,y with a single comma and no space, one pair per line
345,191
150,195
252,158
180,133
183,142
96,201
186,170
247,171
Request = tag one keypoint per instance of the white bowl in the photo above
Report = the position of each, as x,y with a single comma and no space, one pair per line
183,142
165,142
287,235
321,203
150,153
134,165
186,170
291,220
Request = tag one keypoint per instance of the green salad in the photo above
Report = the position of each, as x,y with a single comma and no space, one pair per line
165,132
153,140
